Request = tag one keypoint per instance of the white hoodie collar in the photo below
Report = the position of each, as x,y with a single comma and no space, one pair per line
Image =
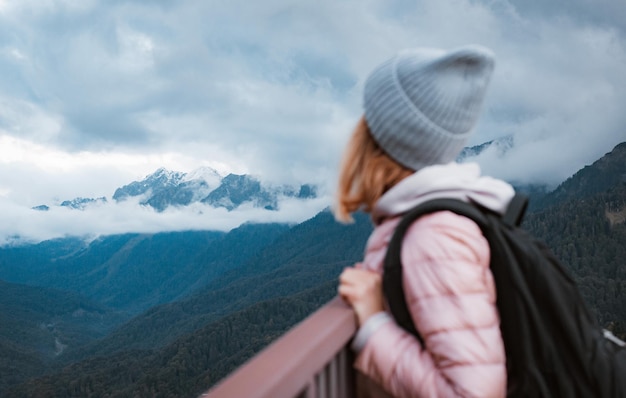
453,180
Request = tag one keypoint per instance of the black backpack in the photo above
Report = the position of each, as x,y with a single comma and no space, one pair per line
554,346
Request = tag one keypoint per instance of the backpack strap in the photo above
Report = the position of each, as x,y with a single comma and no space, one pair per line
392,276
515,210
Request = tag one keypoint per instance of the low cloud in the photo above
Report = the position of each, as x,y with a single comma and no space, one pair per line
19,224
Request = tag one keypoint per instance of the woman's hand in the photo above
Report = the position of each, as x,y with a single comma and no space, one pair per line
362,289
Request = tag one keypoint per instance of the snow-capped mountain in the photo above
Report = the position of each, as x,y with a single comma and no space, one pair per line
156,184
235,190
76,203
165,188
81,203
501,145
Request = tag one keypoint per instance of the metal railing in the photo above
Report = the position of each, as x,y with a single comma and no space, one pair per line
312,360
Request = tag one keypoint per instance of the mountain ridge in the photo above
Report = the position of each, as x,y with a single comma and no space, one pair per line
604,173
133,272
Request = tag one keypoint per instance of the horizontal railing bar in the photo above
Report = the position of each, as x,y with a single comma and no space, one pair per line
283,369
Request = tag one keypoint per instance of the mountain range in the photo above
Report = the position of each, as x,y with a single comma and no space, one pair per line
169,314
165,188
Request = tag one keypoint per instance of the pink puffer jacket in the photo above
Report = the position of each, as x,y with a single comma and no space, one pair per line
451,296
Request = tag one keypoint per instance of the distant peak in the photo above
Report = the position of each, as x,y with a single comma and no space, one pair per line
208,174
164,176
162,171
80,203
501,145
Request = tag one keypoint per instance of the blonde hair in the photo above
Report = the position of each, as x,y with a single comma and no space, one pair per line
367,172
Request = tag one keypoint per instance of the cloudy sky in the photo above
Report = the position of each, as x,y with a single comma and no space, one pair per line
96,94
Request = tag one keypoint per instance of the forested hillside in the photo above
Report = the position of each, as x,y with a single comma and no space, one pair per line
310,254
583,222
37,325
589,237
186,367
134,272
283,283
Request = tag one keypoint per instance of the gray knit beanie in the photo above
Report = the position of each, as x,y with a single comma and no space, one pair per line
422,104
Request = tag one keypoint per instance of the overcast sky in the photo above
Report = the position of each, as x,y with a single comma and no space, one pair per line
96,94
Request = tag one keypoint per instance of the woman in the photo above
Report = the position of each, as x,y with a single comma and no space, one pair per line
420,108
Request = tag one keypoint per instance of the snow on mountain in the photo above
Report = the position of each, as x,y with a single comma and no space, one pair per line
211,176
160,180
237,189
75,204
81,203
199,183
501,145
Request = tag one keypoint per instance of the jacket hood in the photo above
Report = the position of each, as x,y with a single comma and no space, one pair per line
452,180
